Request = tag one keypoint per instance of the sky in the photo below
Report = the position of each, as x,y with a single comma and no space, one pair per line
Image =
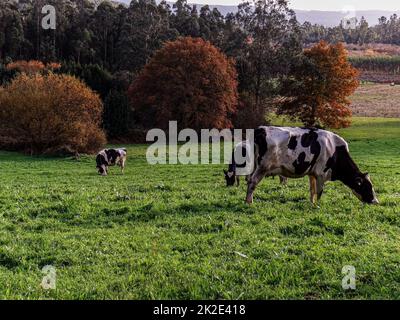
332,5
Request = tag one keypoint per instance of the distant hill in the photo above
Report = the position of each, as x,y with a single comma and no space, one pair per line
326,18
333,18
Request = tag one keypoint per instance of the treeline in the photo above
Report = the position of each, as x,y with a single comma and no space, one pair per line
113,36
387,31
107,45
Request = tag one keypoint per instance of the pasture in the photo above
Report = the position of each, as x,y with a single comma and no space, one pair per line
376,100
176,232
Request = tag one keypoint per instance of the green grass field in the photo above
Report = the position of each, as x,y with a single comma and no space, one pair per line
176,232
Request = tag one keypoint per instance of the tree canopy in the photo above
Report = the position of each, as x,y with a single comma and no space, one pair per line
50,114
318,90
190,81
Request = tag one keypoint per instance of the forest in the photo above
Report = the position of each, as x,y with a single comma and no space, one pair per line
108,33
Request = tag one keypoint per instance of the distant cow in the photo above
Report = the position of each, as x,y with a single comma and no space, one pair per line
232,175
298,152
110,157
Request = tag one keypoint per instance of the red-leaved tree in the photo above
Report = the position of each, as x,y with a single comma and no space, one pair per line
190,81
319,89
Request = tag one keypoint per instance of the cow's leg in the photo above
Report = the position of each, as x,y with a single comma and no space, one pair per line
283,180
237,181
313,190
320,187
122,165
254,180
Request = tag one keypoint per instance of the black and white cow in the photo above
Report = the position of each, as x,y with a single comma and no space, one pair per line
233,174
110,157
319,154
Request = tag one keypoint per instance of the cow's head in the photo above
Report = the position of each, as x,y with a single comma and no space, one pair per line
363,189
229,178
102,170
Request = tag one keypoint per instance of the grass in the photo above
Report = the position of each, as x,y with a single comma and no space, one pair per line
176,232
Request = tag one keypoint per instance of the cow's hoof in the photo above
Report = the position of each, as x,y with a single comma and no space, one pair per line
249,200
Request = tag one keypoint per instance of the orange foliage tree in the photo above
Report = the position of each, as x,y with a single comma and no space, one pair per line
318,92
50,114
32,66
190,81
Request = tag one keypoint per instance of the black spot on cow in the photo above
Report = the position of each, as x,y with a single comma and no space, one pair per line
292,143
300,165
341,164
310,140
330,164
112,156
307,140
260,139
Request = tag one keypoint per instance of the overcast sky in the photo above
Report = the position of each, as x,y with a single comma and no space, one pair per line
337,5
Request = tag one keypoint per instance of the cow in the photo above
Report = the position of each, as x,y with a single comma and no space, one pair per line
298,152
241,152
110,157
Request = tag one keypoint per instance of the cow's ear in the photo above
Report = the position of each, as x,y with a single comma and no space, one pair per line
225,172
366,175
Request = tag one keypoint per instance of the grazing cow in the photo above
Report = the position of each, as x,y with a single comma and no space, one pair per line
298,152
110,157
241,151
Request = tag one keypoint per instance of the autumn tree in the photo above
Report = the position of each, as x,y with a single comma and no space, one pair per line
32,66
318,91
50,114
190,81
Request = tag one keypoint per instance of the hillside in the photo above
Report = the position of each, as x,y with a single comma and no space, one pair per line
326,18
333,18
